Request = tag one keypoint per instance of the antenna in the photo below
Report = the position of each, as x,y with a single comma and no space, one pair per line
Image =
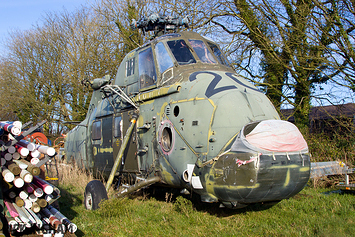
159,24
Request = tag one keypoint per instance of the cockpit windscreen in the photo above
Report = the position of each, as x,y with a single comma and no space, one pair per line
181,52
202,52
221,58
163,58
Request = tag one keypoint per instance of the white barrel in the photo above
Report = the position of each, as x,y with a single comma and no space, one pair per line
46,150
23,195
35,154
34,161
38,192
28,204
26,176
18,182
16,131
23,151
20,164
17,124
7,175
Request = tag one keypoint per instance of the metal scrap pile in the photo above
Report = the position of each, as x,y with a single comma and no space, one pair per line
26,198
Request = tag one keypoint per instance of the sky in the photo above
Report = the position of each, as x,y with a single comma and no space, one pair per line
23,14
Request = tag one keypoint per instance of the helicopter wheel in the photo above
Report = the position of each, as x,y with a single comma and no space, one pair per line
95,191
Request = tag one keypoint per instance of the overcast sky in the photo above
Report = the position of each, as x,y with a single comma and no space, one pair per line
23,14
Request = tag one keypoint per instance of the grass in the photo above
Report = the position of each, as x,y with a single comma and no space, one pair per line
312,212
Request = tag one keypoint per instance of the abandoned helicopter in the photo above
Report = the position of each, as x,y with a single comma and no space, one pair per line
178,115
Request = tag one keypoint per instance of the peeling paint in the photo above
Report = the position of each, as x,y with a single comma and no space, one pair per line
244,162
288,177
304,169
94,150
167,176
103,150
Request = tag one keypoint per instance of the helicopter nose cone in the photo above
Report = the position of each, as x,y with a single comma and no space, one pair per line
268,161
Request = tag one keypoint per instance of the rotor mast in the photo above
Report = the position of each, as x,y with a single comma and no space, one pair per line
159,24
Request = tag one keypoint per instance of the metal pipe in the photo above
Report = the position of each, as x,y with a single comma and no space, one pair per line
137,186
121,152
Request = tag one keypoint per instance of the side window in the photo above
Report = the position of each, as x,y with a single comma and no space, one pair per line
147,74
117,127
96,130
221,58
202,52
181,52
130,67
164,60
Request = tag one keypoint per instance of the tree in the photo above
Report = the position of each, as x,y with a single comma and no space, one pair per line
342,52
7,87
291,40
47,64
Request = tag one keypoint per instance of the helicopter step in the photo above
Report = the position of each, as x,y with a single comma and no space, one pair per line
141,184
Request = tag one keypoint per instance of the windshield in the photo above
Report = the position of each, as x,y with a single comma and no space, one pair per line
221,58
202,52
164,60
181,52
147,75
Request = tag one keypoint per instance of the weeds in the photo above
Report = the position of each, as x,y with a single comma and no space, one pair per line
115,207
183,206
71,175
336,147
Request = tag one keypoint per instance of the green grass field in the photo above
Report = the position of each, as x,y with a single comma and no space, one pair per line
312,212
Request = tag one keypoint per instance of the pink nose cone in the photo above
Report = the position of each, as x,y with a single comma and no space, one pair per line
277,136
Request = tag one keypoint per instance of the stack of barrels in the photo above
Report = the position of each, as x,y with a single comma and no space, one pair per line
26,197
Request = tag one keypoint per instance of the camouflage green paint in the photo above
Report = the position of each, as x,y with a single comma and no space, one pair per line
188,121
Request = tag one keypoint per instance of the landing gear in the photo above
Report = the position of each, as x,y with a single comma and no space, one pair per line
95,191
234,205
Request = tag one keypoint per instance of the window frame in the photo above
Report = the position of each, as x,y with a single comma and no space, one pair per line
167,58
221,57
96,130
202,51
187,53
130,66
142,68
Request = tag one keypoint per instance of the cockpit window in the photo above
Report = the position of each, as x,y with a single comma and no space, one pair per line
164,60
202,52
147,74
221,58
181,52
130,67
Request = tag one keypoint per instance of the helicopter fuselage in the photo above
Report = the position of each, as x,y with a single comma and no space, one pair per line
200,126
